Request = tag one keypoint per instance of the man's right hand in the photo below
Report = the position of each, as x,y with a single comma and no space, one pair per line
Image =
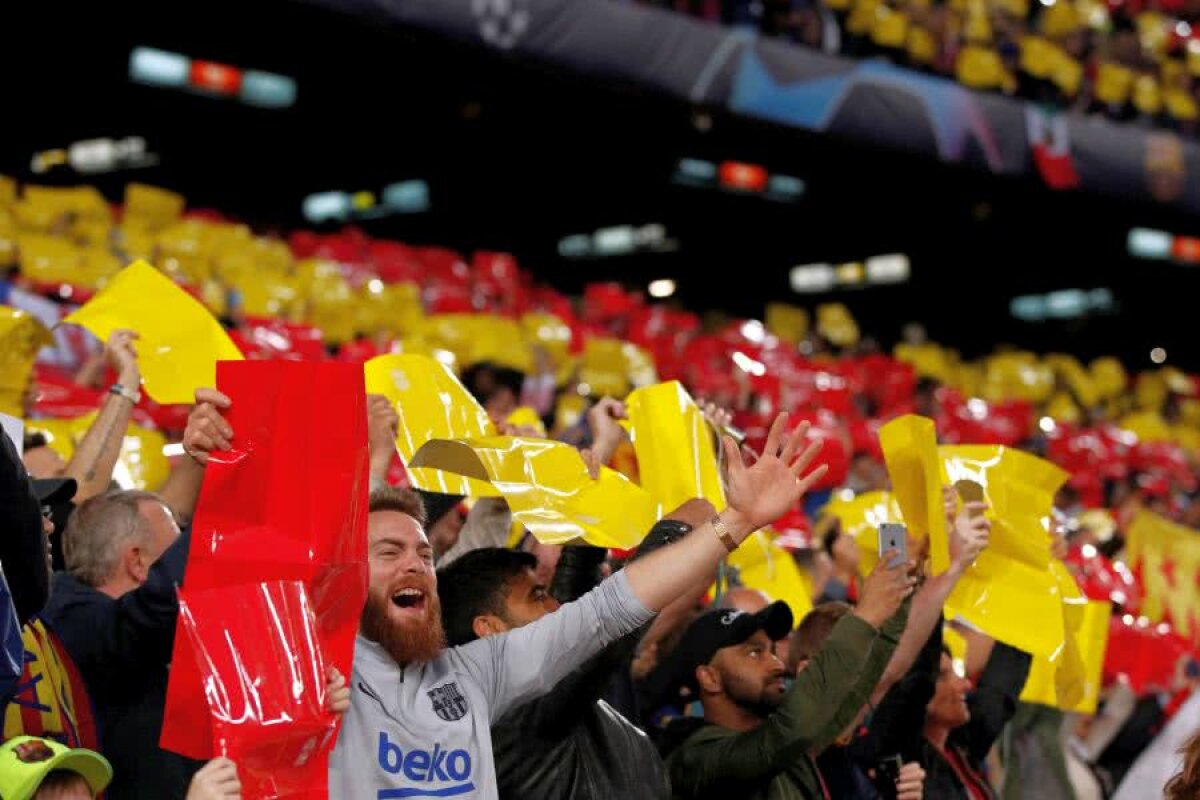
884,590
207,429
762,493
216,780
970,534
382,428
120,353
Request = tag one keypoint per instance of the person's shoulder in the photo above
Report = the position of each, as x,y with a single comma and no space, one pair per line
461,661
694,733
68,593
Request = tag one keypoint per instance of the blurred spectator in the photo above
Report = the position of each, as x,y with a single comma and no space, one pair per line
91,465
843,552
568,743
760,736
115,610
444,521
960,732
496,388
42,769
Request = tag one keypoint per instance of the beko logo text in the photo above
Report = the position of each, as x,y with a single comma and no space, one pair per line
425,766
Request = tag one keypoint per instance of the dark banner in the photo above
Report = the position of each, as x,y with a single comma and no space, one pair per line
865,101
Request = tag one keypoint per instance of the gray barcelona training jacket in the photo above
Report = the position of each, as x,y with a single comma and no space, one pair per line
424,730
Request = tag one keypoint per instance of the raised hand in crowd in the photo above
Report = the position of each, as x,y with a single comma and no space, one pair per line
764,492
716,416
96,455
885,589
383,425
757,496
607,433
207,429
216,780
969,535
120,353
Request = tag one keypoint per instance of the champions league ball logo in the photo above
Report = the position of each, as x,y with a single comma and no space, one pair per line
502,23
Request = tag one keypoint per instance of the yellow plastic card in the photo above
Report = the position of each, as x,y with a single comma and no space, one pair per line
1169,558
1070,680
152,206
929,360
910,450
674,445
550,333
479,337
860,517
526,417
432,404
787,322
1108,375
180,342
22,335
548,488
764,565
8,191
836,323
1148,426
141,464
1013,581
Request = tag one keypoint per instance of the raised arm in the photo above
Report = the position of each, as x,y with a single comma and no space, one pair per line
994,700
526,662
94,458
824,700
758,495
969,537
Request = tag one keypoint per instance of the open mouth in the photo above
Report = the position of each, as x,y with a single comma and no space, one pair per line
409,599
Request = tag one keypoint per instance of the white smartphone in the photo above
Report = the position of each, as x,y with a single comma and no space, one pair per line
894,536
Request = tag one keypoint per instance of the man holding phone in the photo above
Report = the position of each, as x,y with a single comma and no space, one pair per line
760,737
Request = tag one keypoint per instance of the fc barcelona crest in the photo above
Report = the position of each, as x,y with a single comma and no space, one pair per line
448,702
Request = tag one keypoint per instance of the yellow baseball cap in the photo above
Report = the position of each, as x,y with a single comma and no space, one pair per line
25,761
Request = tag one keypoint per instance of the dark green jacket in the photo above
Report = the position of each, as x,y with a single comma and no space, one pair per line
774,761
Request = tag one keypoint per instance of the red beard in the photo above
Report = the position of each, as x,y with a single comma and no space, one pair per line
409,641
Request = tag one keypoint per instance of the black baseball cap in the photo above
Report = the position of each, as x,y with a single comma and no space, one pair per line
725,627
54,490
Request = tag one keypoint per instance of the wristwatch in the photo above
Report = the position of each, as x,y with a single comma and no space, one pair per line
723,534
132,395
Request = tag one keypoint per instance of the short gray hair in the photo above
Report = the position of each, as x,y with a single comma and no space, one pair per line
97,531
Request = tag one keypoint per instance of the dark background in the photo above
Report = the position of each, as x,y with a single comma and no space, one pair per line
518,156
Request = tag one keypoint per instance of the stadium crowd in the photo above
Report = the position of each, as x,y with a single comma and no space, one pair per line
1128,61
758,637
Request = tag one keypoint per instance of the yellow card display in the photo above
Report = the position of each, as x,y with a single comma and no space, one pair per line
1013,581
674,445
22,335
910,450
1071,681
1169,558
432,404
180,342
860,517
141,464
548,488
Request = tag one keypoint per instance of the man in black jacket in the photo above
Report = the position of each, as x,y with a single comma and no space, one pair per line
115,612
570,742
